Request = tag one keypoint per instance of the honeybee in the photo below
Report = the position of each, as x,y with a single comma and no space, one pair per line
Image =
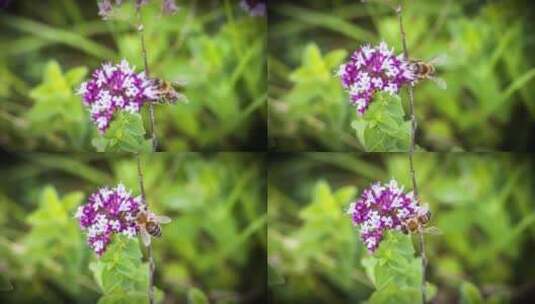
149,224
170,91
427,70
416,224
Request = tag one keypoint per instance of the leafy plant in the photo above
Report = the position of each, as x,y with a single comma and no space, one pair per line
218,49
383,126
57,109
487,105
480,202
212,244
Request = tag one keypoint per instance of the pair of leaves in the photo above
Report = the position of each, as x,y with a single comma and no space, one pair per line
383,128
395,271
124,278
121,274
125,134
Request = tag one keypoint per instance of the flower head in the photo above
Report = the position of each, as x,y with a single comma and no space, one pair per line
254,7
169,7
374,69
113,88
382,207
106,212
105,6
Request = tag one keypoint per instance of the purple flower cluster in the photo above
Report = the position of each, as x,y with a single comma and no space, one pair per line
374,69
105,6
106,212
116,87
254,7
381,208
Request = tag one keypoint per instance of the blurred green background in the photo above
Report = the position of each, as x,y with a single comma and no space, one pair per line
483,203
49,47
490,100
216,241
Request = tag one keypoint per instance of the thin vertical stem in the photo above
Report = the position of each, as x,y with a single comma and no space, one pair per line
152,118
411,151
152,266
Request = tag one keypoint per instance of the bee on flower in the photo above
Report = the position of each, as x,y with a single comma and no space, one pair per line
374,69
383,207
110,211
115,88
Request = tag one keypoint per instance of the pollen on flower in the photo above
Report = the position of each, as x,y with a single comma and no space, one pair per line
113,88
254,7
371,70
106,212
382,207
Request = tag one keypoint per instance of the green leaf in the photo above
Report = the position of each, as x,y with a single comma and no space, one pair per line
121,274
125,134
470,294
196,296
394,270
124,297
76,75
383,128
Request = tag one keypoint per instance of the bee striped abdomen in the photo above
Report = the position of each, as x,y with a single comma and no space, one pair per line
422,70
154,229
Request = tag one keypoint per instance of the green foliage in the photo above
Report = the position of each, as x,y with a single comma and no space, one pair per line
120,273
313,105
125,134
470,294
488,104
219,52
482,203
322,225
383,127
217,231
394,271
53,234
5,284
196,296
57,109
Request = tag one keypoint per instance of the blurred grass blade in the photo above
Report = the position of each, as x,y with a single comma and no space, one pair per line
69,38
71,165
350,163
328,21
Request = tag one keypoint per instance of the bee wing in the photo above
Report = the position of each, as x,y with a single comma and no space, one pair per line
180,82
432,230
441,83
145,237
162,219
182,98
439,60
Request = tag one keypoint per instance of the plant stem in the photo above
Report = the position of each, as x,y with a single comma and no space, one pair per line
152,266
411,151
152,129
